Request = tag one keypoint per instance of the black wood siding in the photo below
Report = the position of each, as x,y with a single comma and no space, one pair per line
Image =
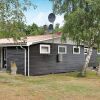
17,55
0,58
47,63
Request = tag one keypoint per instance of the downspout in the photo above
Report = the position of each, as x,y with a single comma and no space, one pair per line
24,60
1,58
28,61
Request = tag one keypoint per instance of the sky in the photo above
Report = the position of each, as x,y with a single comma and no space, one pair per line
39,15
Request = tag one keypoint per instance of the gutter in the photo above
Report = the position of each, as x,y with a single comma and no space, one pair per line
1,58
28,60
24,59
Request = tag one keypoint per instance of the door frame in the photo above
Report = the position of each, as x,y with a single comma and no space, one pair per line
4,58
1,62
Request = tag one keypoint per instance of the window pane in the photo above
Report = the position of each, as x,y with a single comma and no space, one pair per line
45,49
85,50
61,49
76,49
98,51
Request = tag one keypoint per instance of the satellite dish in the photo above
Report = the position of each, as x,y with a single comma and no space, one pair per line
51,17
50,28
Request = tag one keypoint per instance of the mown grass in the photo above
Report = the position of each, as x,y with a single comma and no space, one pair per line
67,86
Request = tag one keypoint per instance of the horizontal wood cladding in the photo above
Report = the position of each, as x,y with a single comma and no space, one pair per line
47,63
93,61
17,55
0,57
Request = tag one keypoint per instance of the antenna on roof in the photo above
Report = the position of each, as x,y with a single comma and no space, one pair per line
51,18
50,28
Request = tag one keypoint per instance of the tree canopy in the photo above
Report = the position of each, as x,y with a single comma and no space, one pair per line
66,6
12,17
82,22
34,30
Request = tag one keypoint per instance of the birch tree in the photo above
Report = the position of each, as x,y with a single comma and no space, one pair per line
82,23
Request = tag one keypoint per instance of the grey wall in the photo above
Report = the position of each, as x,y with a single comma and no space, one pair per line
93,60
0,58
47,63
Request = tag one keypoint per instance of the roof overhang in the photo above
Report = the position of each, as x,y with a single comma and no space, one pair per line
36,42
31,40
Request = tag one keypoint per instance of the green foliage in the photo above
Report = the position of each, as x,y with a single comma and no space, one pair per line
82,23
84,27
57,27
82,20
34,30
14,29
66,6
12,17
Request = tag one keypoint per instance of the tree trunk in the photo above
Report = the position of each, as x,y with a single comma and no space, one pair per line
98,70
87,60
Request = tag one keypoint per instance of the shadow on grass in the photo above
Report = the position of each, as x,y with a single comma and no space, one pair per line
89,74
80,75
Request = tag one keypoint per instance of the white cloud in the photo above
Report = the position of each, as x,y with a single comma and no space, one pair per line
41,18
60,19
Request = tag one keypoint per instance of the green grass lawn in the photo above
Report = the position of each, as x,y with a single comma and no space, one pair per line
67,86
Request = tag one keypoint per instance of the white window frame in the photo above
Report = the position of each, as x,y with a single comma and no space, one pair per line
60,46
98,52
76,52
44,45
85,48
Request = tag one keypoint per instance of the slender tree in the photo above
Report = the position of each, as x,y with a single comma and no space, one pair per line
82,23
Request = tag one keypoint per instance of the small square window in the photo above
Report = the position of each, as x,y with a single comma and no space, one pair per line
44,49
76,50
98,51
86,50
62,49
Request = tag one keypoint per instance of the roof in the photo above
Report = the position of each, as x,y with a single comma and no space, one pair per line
26,41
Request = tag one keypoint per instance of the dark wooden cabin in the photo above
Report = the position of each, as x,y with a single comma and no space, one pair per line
37,55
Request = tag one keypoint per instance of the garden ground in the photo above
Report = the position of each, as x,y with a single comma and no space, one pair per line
66,86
